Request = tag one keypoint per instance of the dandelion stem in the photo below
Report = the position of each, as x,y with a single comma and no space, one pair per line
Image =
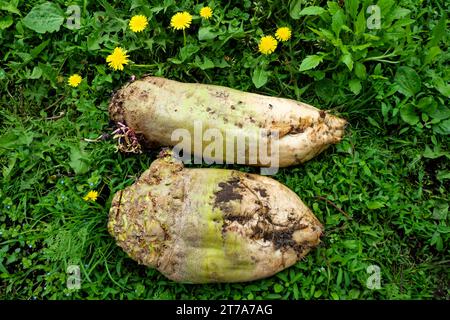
184,37
144,65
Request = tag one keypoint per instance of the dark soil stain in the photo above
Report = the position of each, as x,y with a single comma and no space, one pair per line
229,191
295,130
262,192
241,219
281,238
322,114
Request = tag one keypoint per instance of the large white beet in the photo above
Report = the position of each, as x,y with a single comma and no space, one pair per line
211,225
156,107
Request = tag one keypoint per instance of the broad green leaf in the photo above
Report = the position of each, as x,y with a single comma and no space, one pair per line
318,294
338,21
442,127
295,8
207,33
402,23
296,291
443,175
93,42
46,17
327,34
372,205
385,7
339,277
439,31
442,87
360,70
157,7
312,11
221,63
427,105
187,51
277,288
137,3
361,47
48,72
351,6
399,13
355,86
260,77
408,81
110,11
435,153
409,115
3,269
441,113
205,64
36,74
10,6
360,24
440,210
333,7
373,122
79,160
385,108
348,60
310,62
431,54
6,22
8,140
436,239
37,50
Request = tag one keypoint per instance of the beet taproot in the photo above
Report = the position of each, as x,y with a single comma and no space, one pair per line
211,225
157,107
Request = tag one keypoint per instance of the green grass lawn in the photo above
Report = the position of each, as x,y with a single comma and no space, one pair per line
382,193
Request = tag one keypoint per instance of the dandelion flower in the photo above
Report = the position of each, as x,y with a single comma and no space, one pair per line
283,34
138,23
74,80
117,59
181,20
206,12
91,196
267,45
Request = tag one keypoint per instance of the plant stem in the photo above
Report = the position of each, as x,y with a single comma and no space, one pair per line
380,57
144,65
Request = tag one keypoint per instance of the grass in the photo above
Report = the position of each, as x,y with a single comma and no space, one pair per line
382,193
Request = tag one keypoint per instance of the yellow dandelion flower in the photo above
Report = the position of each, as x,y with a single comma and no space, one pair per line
206,12
138,23
267,45
74,80
117,59
283,34
91,196
181,20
